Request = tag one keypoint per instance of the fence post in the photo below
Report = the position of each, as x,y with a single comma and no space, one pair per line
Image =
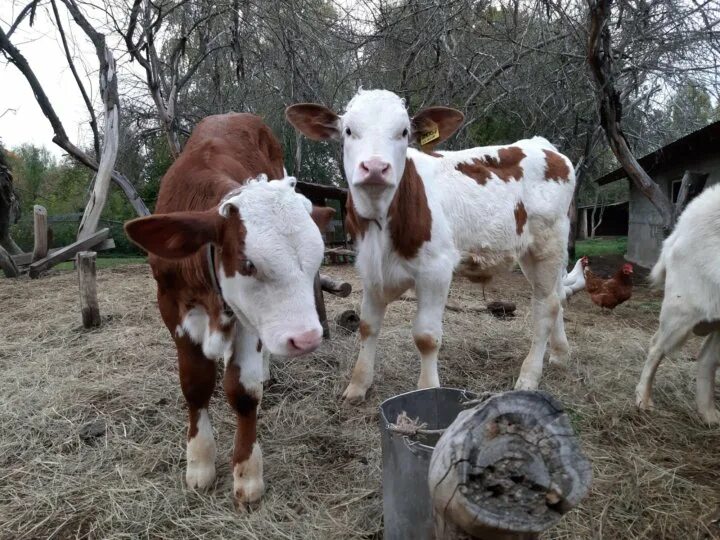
40,226
88,289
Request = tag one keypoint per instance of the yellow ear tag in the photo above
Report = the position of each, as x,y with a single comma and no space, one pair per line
430,136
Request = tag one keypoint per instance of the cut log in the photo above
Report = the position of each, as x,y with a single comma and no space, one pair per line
348,320
88,289
7,264
320,307
338,288
26,258
68,252
507,469
40,224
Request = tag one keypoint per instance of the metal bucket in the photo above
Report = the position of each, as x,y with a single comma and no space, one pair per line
406,497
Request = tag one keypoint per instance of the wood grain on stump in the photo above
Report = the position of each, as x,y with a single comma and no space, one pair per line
507,469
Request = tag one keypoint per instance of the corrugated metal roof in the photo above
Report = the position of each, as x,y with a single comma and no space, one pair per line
704,141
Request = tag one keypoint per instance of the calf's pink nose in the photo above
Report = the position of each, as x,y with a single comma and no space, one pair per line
305,342
374,170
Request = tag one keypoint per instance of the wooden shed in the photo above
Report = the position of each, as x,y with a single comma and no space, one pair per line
334,196
697,153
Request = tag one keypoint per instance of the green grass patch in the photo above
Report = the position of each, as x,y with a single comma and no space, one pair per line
106,262
608,245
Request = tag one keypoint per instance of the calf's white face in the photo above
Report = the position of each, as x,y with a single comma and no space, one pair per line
375,132
270,286
269,251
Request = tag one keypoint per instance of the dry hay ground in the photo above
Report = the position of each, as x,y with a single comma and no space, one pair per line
92,424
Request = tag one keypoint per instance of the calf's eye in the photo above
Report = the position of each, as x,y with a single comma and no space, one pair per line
405,132
348,132
248,268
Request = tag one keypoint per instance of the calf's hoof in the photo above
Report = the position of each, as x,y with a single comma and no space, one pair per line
354,394
643,400
559,358
200,475
248,484
525,383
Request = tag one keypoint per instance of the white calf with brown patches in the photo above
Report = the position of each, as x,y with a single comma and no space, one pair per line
417,217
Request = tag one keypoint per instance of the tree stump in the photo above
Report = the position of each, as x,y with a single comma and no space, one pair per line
89,308
40,223
506,469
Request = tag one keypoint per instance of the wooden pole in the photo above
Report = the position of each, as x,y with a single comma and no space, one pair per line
40,224
507,469
320,307
88,289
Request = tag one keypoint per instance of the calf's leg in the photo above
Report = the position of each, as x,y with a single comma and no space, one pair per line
372,314
672,332
559,348
427,327
197,379
707,365
542,275
243,389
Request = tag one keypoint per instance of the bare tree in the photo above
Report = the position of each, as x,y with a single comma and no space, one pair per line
11,52
166,75
610,106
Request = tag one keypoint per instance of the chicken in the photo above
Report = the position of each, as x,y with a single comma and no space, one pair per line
575,280
611,292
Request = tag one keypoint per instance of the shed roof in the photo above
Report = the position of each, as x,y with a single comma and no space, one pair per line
703,141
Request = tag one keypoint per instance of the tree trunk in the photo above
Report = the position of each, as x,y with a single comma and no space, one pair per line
599,57
7,265
507,469
9,207
111,139
583,225
298,155
572,237
691,185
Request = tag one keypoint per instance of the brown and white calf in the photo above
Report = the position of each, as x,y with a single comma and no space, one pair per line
418,216
234,257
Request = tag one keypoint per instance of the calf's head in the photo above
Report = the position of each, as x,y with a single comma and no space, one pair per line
375,132
268,250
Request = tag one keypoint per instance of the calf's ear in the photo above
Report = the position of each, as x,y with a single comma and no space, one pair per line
314,121
433,125
322,215
175,235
